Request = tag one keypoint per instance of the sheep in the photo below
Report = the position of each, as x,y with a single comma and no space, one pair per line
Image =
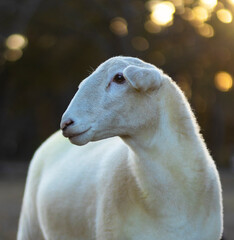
141,172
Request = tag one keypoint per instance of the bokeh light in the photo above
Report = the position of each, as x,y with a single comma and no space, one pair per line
224,15
162,13
13,55
223,81
200,13
231,2
178,3
151,27
206,30
140,43
119,26
209,3
16,41
188,14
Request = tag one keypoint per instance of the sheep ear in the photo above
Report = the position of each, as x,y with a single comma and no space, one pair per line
143,78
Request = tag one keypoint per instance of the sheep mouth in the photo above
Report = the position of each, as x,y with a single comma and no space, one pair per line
70,136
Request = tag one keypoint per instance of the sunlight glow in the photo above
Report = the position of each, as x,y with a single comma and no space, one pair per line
206,30
16,42
162,13
188,2
224,15
223,81
209,3
200,13
119,26
188,14
178,3
231,2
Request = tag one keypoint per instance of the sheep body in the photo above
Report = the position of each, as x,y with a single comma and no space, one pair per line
157,181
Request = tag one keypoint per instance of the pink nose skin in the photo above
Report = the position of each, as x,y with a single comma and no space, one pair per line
66,124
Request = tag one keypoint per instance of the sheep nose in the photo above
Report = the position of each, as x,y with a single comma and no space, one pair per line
66,123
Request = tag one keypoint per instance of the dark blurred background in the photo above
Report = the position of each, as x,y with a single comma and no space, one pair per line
48,46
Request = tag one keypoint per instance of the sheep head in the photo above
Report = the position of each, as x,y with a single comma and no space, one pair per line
115,100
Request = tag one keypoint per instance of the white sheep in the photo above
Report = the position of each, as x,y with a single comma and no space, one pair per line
154,179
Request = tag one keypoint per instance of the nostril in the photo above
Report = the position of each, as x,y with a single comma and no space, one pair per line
66,124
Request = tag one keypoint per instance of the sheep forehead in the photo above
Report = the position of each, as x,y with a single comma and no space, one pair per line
120,63
112,66
105,71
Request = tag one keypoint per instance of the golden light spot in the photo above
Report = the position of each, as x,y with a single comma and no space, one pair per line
188,14
188,2
162,13
224,15
150,5
151,27
13,55
231,1
140,43
209,3
223,81
178,3
16,41
119,26
200,13
206,30
219,6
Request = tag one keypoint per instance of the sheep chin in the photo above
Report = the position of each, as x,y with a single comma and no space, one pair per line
81,139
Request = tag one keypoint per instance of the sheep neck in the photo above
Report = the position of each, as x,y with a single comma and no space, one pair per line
172,135
166,157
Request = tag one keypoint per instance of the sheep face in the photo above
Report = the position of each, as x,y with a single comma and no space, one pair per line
115,100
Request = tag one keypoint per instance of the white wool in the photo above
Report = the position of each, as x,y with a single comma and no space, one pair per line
141,170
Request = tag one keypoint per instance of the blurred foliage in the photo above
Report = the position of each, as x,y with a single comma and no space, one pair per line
59,42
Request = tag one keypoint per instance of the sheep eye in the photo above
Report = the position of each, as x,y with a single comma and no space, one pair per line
119,78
